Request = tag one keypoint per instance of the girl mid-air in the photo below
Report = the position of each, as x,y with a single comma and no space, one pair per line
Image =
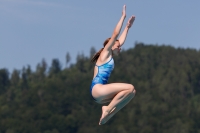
117,94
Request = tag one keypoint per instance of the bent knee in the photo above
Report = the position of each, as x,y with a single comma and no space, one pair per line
132,89
134,92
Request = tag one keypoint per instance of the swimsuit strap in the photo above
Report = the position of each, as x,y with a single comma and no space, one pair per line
104,63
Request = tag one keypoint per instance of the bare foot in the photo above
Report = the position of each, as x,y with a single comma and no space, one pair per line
106,115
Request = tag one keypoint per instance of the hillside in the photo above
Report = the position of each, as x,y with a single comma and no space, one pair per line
57,100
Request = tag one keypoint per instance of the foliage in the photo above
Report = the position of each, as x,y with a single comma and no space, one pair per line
57,100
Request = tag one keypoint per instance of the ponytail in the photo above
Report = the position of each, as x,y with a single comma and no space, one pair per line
96,56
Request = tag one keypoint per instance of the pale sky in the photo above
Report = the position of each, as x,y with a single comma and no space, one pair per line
32,30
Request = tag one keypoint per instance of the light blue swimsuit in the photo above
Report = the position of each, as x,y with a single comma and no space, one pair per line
103,74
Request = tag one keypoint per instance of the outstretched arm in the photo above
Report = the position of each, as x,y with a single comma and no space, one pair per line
116,30
123,36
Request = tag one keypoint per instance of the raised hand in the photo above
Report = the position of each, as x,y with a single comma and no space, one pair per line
130,21
124,11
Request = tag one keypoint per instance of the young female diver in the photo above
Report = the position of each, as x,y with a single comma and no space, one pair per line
118,94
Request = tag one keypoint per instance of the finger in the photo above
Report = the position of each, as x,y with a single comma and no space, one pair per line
124,6
132,18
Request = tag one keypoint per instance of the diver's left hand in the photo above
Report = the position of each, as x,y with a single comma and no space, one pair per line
130,21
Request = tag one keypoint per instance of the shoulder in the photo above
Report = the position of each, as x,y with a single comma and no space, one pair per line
103,58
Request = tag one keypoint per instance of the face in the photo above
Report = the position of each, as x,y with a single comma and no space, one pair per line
116,48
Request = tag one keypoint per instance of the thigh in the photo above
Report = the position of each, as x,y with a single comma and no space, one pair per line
108,91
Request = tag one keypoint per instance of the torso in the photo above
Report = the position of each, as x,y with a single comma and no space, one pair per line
103,71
